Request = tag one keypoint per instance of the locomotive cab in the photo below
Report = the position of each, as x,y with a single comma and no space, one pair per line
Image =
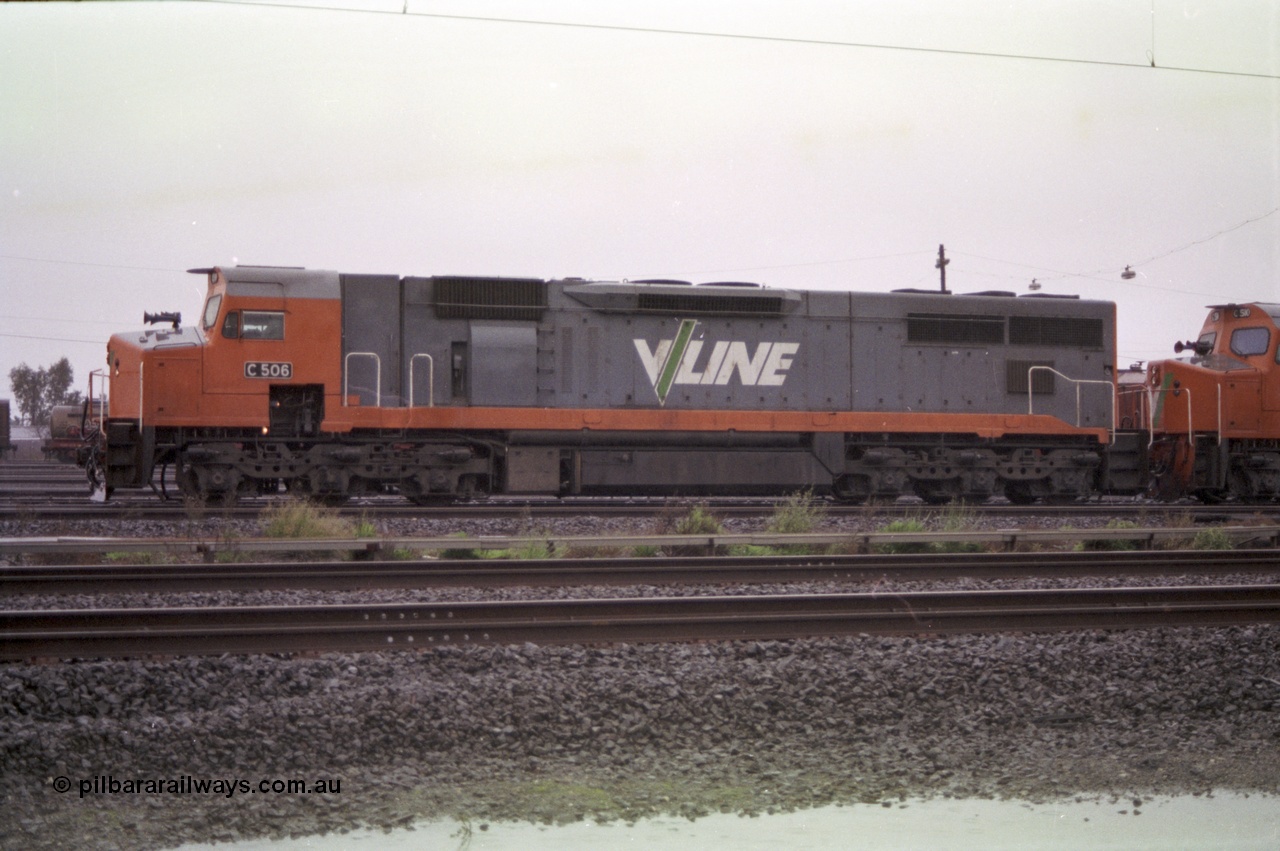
257,362
1213,412
266,337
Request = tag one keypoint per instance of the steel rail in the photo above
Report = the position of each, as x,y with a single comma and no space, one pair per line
142,632
211,549
366,575
69,501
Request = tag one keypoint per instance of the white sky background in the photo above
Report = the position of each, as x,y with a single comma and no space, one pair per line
140,140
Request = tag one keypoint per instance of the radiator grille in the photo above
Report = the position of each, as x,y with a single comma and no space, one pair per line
698,303
1042,381
953,328
1081,332
490,298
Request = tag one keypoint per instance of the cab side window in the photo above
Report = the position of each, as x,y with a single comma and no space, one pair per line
1250,341
262,325
211,311
254,325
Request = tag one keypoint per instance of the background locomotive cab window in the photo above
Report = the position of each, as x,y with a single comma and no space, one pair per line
211,311
1250,341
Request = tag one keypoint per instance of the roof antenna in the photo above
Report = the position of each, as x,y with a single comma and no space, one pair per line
941,265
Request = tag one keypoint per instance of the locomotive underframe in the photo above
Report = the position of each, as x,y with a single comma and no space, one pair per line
942,468
1216,468
221,464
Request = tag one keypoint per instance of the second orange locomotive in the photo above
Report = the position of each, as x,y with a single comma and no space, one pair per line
1214,416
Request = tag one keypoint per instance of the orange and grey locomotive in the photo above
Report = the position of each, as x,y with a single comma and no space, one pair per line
436,388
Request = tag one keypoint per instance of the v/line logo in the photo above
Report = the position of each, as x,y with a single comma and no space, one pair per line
677,361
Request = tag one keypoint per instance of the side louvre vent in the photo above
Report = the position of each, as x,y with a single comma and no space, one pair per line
698,303
954,328
1081,332
489,298
1042,383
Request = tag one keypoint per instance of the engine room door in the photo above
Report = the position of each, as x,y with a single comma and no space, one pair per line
503,364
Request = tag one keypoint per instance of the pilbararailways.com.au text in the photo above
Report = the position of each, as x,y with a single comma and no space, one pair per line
106,784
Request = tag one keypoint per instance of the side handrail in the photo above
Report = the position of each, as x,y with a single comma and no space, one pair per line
1191,432
104,380
431,379
1219,386
1078,382
346,376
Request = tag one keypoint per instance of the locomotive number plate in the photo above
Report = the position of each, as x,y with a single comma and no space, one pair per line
267,369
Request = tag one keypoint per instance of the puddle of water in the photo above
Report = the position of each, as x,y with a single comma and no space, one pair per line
1228,822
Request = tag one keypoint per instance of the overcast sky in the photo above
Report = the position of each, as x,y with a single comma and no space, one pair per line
831,145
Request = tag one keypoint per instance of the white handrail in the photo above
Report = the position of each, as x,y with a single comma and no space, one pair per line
346,376
1077,382
1219,386
102,396
431,379
1191,433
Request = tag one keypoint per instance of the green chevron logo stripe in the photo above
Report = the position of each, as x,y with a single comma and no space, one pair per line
672,365
1157,417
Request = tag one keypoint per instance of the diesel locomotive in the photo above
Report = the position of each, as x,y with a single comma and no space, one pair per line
440,388
332,384
1213,418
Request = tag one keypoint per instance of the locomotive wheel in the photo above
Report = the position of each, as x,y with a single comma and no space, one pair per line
302,489
1019,493
416,491
852,490
297,487
209,485
934,493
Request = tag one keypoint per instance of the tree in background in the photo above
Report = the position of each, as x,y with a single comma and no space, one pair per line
36,391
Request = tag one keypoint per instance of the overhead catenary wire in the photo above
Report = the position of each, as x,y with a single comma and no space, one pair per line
30,259
404,11
1105,275
1110,275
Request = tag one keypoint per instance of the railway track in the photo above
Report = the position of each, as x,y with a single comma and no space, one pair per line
145,506
852,569
59,491
107,633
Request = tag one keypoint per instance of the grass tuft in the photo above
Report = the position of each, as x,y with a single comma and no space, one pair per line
300,519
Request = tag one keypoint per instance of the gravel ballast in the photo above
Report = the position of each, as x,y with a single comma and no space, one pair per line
621,732
559,733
